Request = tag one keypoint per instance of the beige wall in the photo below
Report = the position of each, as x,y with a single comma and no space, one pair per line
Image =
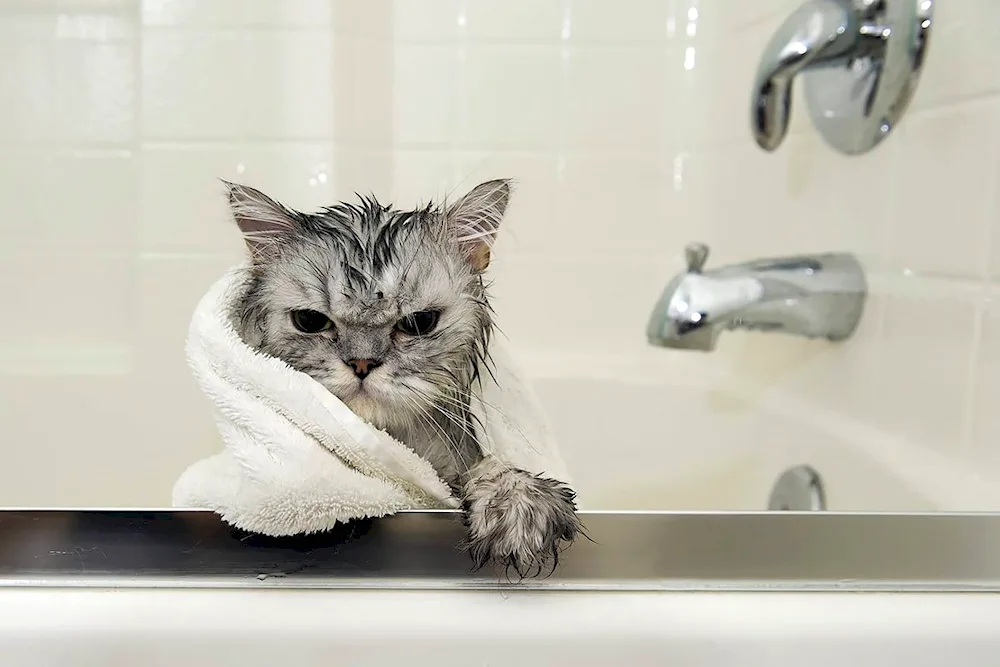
626,126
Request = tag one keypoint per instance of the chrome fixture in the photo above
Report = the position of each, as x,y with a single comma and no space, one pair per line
416,551
817,296
798,489
860,61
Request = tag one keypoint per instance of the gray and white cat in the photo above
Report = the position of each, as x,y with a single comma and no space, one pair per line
388,310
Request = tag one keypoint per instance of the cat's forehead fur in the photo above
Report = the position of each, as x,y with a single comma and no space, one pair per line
369,263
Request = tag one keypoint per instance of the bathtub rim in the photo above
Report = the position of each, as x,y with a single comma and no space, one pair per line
631,551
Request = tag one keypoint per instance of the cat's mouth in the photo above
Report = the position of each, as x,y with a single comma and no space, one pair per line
378,399
366,400
363,406
373,409
359,392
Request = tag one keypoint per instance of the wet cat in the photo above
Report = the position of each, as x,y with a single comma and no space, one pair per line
389,311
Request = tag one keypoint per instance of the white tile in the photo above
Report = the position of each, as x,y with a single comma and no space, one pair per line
808,198
607,205
96,98
68,6
372,18
194,85
561,302
682,201
715,23
986,415
994,244
92,455
628,21
193,13
428,20
362,170
420,176
508,97
300,175
824,204
926,359
183,205
67,299
363,88
78,87
424,94
946,185
707,91
26,95
80,201
513,20
169,290
289,86
844,377
313,14
614,98
730,192
958,65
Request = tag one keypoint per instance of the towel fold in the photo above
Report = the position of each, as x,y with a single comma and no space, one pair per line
297,460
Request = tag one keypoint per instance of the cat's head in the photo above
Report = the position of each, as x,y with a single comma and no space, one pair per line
387,309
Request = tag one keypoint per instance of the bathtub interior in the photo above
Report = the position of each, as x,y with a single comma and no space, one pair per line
662,443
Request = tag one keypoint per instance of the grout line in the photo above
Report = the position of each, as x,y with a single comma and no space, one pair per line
537,150
557,42
233,29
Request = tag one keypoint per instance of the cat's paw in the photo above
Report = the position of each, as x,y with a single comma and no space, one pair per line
519,521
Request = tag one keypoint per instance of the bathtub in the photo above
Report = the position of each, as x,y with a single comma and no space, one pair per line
179,588
392,628
681,565
656,432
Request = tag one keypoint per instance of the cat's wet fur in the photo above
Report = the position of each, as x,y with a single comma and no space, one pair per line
389,311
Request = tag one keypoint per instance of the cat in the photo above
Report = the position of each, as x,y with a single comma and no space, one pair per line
389,311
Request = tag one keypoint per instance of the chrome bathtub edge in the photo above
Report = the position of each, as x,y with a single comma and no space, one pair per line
627,551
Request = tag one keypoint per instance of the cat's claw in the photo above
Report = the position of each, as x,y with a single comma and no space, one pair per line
519,521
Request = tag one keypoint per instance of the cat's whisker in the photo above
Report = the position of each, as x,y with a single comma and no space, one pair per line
425,417
438,396
433,401
461,467
465,427
486,404
501,414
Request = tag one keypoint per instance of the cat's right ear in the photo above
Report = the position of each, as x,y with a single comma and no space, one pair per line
263,221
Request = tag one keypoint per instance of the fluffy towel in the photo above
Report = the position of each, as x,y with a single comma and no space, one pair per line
297,460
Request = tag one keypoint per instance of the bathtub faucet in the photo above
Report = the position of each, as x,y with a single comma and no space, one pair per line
817,296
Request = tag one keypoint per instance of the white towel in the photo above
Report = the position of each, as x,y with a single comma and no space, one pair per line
297,460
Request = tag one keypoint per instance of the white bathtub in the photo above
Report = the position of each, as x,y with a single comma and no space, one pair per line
643,437
45,628
656,433
634,440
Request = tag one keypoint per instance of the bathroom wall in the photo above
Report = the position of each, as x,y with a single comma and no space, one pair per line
626,127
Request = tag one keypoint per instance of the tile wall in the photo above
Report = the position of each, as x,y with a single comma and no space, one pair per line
624,123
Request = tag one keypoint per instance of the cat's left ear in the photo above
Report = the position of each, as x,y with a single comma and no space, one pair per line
475,219
263,221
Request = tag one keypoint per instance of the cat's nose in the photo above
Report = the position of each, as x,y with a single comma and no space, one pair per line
362,367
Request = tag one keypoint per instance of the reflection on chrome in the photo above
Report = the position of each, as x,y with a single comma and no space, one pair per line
628,551
817,296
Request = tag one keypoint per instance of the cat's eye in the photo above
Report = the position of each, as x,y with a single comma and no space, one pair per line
420,323
310,321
